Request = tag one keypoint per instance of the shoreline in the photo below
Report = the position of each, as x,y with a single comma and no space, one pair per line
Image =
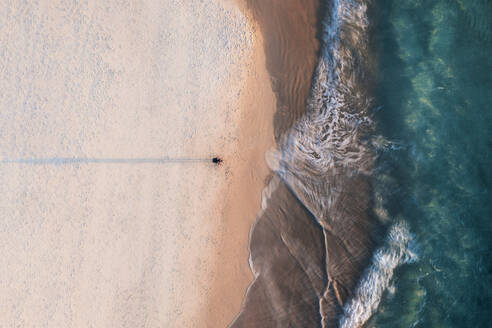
284,72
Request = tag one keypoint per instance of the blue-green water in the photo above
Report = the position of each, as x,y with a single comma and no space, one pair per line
435,86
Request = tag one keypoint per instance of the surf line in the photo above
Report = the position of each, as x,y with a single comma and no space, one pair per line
91,160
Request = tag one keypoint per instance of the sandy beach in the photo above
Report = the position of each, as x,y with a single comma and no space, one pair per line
128,244
231,274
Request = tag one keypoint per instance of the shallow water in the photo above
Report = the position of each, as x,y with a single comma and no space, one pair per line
435,82
323,165
289,29
396,135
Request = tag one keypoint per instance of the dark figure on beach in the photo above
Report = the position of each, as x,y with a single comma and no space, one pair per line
217,160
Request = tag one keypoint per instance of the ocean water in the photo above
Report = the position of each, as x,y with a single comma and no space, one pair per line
379,214
434,88
324,167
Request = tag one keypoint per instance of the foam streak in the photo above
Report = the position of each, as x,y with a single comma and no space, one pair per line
398,249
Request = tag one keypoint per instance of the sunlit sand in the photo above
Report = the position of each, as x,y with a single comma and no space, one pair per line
100,243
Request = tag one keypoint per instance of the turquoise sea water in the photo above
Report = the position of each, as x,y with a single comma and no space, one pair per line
434,64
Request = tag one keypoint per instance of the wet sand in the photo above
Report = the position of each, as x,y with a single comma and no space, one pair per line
317,231
285,52
290,32
285,66
288,256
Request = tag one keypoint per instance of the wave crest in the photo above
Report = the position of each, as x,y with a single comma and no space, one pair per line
398,249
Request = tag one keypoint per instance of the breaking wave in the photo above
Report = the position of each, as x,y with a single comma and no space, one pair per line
315,249
332,146
334,135
398,249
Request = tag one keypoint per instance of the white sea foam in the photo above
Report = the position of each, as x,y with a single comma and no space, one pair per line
398,249
335,139
330,140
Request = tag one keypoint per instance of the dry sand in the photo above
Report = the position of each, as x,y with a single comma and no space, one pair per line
124,245
242,195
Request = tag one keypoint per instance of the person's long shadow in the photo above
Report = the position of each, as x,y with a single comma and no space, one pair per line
92,160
